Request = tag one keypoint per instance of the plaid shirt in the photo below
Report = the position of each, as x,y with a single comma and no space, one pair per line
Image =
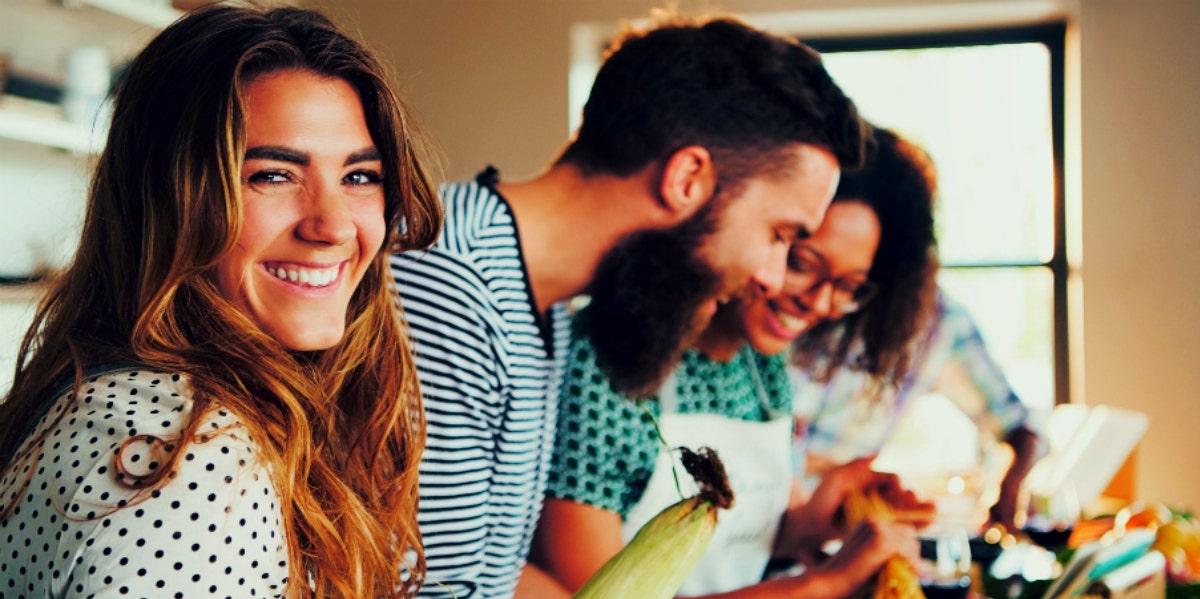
844,423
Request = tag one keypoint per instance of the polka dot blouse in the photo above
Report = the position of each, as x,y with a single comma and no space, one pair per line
79,529
606,444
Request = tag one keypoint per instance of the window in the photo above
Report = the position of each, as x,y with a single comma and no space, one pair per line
988,107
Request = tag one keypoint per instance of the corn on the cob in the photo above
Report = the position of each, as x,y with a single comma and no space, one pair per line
897,579
663,552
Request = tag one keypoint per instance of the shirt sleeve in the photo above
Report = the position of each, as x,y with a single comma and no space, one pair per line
451,322
606,446
970,350
85,527
214,529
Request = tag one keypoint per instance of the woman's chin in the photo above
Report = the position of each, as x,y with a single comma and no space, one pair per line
769,345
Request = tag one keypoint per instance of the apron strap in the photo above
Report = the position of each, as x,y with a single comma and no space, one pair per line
668,395
764,401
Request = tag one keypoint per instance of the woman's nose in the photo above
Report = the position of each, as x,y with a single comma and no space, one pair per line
820,299
327,219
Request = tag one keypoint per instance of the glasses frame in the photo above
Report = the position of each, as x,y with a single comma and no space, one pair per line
847,295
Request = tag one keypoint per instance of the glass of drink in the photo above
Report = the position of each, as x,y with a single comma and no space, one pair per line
1051,514
945,569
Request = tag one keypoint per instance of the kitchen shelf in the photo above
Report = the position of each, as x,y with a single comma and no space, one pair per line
27,122
23,293
48,131
139,11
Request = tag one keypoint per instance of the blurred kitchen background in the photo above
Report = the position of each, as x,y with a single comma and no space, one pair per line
1065,133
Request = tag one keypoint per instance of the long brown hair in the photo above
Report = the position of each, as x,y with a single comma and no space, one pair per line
341,429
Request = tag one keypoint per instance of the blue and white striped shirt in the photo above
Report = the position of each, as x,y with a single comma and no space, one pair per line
490,387
845,421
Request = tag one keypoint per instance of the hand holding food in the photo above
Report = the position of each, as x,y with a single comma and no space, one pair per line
897,579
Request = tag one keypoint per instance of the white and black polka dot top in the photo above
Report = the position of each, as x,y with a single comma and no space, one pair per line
78,530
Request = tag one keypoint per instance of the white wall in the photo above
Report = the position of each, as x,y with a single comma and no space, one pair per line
1140,133
42,194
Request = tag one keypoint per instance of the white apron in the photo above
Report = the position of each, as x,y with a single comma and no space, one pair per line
757,458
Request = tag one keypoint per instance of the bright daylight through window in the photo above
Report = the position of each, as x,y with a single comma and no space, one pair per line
986,113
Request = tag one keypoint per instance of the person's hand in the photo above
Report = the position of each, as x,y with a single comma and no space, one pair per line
823,512
864,551
1005,510
1027,447
875,541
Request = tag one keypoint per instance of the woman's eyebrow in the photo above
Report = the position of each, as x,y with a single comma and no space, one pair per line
303,159
279,153
365,155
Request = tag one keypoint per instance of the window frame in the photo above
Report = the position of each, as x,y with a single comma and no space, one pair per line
1053,37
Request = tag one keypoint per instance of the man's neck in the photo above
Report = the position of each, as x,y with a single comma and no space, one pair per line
567,222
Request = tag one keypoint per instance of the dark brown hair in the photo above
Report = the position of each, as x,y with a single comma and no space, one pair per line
897,183
745,95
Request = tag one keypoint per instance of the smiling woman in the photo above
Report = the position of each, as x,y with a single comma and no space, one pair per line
312,183
224,354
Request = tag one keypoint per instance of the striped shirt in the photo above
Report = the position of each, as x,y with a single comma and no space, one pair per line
846,422
490,386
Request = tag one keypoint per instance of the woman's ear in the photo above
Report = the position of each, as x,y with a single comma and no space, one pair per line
689,180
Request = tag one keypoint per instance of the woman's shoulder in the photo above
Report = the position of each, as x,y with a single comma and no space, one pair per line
92,477
117,404
131,395
118,427
109,405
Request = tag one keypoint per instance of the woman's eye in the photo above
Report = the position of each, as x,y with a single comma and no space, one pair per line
269,178
848,287
363,178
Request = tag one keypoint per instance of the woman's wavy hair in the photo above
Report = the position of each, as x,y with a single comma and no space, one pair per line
898,183
341,429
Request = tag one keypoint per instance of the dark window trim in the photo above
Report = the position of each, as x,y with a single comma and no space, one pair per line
1053,36
1050,34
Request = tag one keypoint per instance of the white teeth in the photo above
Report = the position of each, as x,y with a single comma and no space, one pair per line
791,322
312,277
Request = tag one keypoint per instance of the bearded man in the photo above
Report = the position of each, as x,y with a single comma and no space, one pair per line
706,147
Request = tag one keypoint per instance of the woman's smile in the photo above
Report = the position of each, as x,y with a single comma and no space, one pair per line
314,277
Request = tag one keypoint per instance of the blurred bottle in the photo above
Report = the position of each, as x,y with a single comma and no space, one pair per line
85,88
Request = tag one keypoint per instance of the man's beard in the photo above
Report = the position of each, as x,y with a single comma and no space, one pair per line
645,303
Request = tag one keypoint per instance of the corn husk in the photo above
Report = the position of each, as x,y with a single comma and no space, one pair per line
665,550
897,579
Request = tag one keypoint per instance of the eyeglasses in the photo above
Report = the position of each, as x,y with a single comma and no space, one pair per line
808,272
